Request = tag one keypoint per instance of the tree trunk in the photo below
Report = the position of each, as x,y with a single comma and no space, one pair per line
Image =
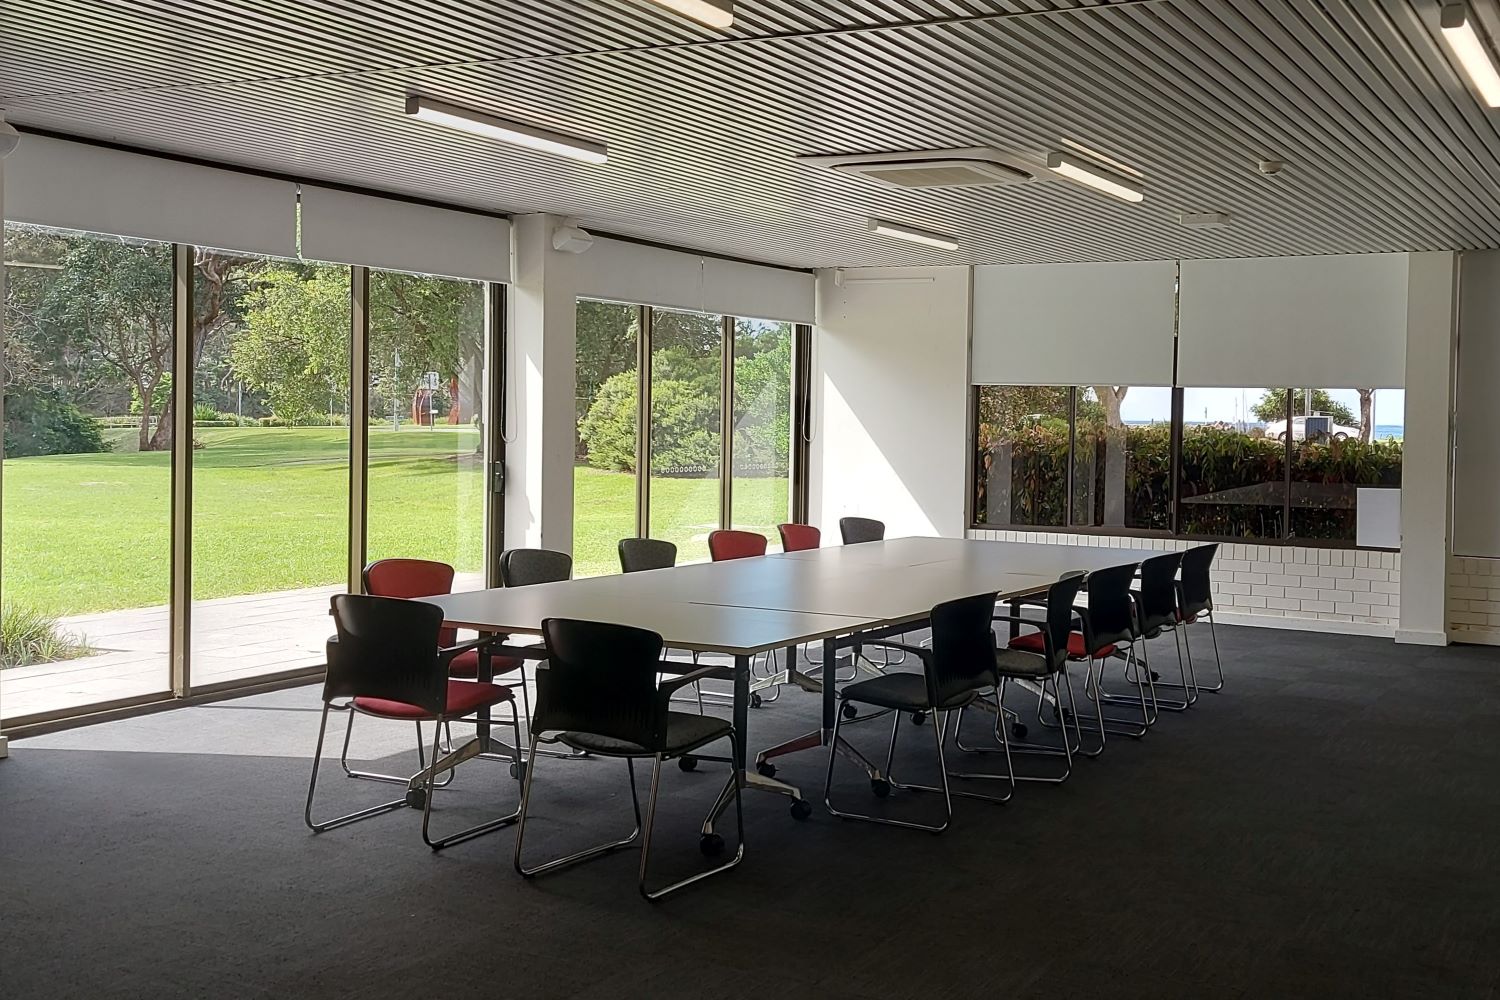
1114,453
1366,415
161,439
148,392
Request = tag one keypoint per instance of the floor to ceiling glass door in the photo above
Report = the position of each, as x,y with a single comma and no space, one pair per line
760,497
425,484
606,442
270,462
87,471
687,358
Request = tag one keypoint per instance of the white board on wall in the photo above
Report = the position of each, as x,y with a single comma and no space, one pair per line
1074,324
1333,322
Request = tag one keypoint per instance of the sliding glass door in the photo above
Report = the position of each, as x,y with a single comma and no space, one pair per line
606,441
687,358
761,495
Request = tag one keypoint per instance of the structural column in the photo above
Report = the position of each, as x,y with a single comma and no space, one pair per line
4,742
1427,466
539,393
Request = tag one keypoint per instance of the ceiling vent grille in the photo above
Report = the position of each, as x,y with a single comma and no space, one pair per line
939,168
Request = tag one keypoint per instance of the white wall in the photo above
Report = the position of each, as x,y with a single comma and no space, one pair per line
890,385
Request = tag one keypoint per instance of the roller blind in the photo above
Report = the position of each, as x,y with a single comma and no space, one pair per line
1476,446
629,272
1336,321
1074,324
370,231
71,185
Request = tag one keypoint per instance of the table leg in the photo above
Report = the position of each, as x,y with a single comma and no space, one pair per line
482,720
1015,612
830,697
741,714
740,775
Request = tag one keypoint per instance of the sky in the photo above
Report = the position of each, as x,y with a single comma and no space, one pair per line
1231,405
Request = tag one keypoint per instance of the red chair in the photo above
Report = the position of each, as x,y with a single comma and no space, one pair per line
413,578
730,544
798,537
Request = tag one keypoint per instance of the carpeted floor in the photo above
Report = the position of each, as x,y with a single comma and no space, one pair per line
1329,826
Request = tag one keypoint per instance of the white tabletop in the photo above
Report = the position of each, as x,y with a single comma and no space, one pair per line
746,606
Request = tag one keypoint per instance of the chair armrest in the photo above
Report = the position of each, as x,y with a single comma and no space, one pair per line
666,688
666,666
449,653
923,652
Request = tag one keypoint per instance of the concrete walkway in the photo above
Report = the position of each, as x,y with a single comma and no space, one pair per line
233,639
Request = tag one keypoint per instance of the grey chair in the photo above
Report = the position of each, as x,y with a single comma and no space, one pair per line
525,567
640,554
861,529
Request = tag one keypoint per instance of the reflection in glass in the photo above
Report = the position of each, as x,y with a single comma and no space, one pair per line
605,445
761,497
686,401
1342,440
1122,457
1021,471
1233,470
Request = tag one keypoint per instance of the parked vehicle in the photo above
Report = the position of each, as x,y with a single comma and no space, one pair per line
1277,429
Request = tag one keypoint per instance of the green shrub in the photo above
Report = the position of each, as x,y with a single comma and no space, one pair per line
41,424
684,422
205,414
30,636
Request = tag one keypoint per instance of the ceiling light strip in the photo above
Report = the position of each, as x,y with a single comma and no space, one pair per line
911,234
1463,38
1089,175
714,13
513,132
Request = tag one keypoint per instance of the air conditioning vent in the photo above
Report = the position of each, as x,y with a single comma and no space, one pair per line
938,173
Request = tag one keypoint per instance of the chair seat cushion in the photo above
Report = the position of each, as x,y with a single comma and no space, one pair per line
463,697
1021,663
466,664
905,692
685,731
1033,642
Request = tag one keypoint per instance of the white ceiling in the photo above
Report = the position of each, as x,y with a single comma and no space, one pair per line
1386,148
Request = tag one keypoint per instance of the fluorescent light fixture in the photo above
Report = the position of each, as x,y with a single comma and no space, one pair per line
924,236
1462,36
513,132
714,13
1204,220
1097,178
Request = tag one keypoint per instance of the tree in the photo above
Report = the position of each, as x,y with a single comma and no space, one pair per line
295,344
1272,406
1366,414
762,404
431,325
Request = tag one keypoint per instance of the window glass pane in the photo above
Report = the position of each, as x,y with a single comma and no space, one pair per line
88,470
270,462
1233,465
1021,471
686,371
1122,457
426,475
605,448
1342,440
762,426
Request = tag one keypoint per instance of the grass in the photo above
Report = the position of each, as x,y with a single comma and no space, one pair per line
86,533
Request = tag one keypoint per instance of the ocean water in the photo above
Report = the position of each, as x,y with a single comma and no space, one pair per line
1383,432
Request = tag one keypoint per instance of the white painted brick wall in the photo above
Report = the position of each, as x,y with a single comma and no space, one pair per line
1275,583
1473,599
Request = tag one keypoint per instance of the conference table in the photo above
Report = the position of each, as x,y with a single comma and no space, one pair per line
839,596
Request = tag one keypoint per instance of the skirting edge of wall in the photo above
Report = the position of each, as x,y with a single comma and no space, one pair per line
1423,637
1474,637
1304,624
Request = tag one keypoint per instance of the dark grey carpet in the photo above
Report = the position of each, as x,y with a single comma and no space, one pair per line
1328,826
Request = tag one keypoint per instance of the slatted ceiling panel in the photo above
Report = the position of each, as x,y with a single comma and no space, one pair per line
1387,149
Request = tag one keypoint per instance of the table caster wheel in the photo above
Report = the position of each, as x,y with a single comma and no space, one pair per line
800,809
765,769
711,844
518,770
917,718
755,701
1155,676
880,787
850,710
687,763
1018,730
416,798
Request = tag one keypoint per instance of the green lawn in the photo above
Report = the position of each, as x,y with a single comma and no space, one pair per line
91,532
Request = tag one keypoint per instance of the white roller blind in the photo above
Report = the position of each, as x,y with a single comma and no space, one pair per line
71,185
1335,321
393,235
1074,324
1476,446
653,276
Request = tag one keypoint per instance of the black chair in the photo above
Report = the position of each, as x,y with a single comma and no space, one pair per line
1156,606
854,530
640,554
525,567
600,694
958,667
1195,602
385,660
1049,666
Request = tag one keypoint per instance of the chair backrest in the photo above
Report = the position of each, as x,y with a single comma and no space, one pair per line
1158,594
386,648
1196,593
797,537
1059,621
637,554
963,649
861,529
524,567
601,679
730,544
410,578
1111,615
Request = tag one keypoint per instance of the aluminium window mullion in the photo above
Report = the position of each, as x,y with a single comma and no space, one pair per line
726,421
180,600
359,424
643,422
